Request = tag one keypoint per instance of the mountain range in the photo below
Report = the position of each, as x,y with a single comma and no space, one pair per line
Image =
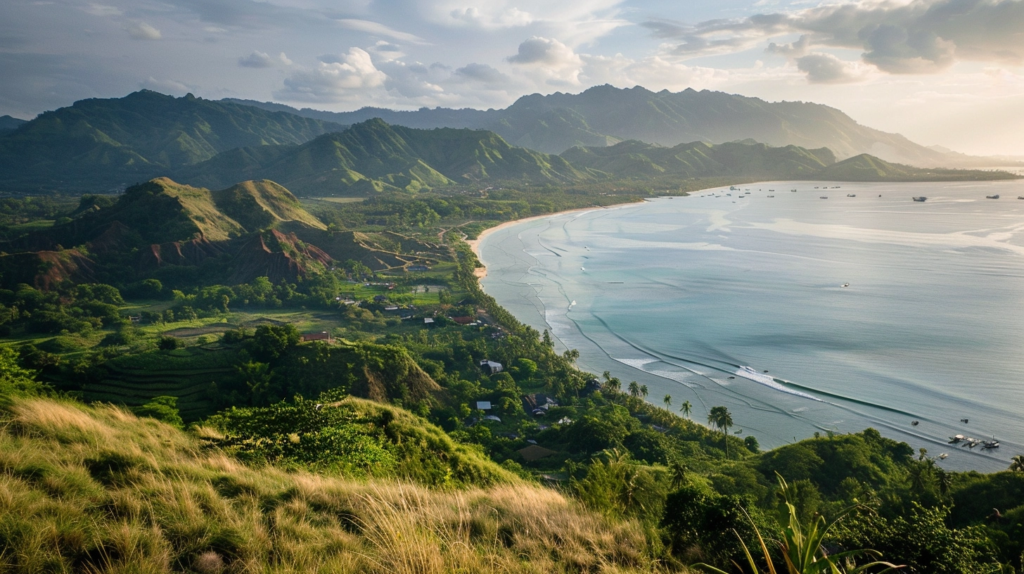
107,144
7,123
604,115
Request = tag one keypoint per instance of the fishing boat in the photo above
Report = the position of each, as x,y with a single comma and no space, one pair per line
991,197
956,439
921,199
824,197
851,195
943,456
845,285
990,444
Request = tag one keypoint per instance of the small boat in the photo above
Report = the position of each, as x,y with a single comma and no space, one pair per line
771,196
845,285
943,456
851,195
991,197
793,190
915,423
956,439
963,421
824,197
583,268
920,199
990,444
1020,197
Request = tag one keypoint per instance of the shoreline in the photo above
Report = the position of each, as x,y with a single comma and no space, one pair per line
474,244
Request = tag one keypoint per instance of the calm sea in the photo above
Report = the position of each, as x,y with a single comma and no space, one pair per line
862,309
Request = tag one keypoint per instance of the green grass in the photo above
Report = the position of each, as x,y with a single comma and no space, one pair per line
97,490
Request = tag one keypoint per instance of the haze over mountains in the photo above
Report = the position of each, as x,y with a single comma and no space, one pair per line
604,115
106,145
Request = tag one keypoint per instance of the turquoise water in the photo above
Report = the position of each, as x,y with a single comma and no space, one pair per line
680,293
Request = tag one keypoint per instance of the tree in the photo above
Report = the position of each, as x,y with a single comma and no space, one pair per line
1017,463
643,391
721,418
686,408
634,389
668,401
163,408
271,341
678,470
15,380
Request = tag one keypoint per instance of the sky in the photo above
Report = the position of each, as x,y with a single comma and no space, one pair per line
941,72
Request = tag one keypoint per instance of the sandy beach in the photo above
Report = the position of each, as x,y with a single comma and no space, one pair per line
474,244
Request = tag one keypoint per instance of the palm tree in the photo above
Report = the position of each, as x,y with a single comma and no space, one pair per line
1017,463
634,389
643,390
721,418
686,408
614,384
668,401
678,471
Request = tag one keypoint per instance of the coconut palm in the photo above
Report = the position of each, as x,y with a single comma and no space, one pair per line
686,408
721,418
1017,463
668,401
678,471
634,389
643,390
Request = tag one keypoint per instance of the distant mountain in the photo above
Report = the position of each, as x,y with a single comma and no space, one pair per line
868,168
638,160
7,123
104,144
604,115
373,156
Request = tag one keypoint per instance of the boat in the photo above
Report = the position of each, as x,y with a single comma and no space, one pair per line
921,199
1020,197
845,285
851,195
989,444
793,190
824,197
991,197
956,439
915,423
943,456
771,196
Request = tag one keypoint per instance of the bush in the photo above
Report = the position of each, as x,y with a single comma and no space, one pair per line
169,343
162,408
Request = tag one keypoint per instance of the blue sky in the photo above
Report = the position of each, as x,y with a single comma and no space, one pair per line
945,72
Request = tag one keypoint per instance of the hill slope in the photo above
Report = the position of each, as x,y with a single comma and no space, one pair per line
604,115
117,493
7,123
102,144
374,156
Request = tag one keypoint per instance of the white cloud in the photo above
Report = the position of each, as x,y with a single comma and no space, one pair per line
335,79
169,87
379,29
482,73
103,10
142,31
549,61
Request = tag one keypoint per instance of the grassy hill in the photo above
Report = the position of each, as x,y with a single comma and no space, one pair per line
7,123
869,168
106,144
373,156
637,160
98,490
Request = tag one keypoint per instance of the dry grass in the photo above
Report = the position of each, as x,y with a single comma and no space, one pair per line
98,490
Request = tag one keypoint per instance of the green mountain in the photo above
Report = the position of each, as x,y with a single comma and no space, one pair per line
7,123
869,168
373,156
604,115
638,160
104,144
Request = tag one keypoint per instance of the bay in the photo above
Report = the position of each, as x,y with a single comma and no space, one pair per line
681,293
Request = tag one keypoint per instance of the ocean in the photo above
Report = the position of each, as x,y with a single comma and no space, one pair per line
800,314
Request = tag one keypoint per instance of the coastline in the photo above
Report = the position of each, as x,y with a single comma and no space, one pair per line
474,244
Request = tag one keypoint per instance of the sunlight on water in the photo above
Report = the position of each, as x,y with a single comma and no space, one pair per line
800,314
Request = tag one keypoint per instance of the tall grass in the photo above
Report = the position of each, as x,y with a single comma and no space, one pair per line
95,489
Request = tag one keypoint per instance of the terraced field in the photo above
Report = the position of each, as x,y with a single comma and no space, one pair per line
184,373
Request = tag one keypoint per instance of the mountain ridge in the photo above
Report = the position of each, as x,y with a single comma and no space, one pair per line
604,115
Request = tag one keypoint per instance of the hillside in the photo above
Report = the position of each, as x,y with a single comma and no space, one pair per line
119,494
604,115
373,156
637,160
7,123
867,168
105,144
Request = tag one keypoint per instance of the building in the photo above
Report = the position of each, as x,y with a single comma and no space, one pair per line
483,405
428,321
321,336
491,367
463,320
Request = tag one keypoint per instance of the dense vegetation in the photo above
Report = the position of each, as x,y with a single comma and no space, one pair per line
372,447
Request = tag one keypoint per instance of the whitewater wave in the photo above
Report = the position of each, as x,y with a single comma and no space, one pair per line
770,382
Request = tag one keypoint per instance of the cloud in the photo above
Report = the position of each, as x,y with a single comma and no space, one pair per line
826,69
142,31
482,73
102,10
379,29
335,79
169,87
548,61
256,60
908,37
